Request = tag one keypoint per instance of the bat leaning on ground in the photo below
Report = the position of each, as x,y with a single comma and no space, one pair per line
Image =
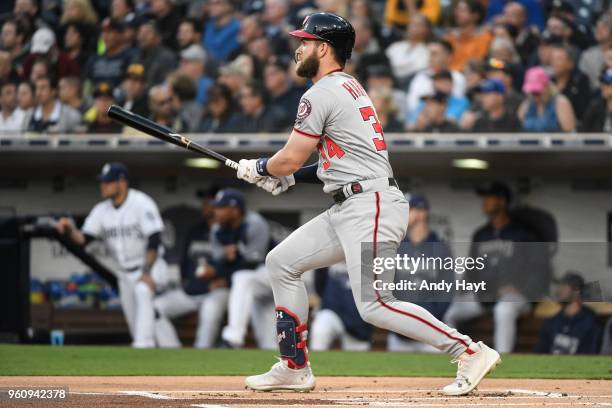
149,127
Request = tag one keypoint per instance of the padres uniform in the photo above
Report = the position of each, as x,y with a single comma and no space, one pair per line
125,231
370,214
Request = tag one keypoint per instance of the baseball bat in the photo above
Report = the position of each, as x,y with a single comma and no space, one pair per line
149,127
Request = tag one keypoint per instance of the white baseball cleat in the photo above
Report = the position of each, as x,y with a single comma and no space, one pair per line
281,377
471,369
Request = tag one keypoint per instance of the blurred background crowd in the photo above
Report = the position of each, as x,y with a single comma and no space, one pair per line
226,66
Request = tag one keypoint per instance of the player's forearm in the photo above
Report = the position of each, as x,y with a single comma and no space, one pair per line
77,237
283,164
150,258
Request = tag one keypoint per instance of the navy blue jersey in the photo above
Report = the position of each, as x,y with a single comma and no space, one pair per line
334,288
507,263
578,334
252,238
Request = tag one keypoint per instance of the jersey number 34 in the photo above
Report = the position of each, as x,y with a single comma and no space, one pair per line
333,150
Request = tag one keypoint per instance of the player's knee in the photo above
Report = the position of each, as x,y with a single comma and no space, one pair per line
142,290
368,314
274,263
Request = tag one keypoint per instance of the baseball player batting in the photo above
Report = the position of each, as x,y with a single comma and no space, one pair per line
336,117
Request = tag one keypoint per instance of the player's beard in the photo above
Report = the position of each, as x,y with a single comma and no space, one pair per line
308,67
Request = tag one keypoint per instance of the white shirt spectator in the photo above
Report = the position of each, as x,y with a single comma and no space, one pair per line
407,58
13,123
423,85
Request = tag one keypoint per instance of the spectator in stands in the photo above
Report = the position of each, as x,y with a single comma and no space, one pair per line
221,30
386,111
25,96
337,317
200,290
134,90
11,116
251,28
580,15
189,33
398,15
455,106
257,116
367,51
503,49
156,57
569,80
505,72
70,93
527,36
79,10
421,241
468,40
43,46
219,115
576,328
544,109
192,64
542,55
259,51
495,117
411,55
13,40
50,115
163,109
432,118
275,15
592,60
37,18
531,12
598,116
380,76
283,94
7,73
122,10
563,28
440,53
96,118
506,269
235,74
167,20
76,43
110,67
41,69
185,103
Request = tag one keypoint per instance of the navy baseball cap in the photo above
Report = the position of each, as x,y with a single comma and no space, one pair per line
606,77
417,201
495,189
574,280
229,197
113,172
491,86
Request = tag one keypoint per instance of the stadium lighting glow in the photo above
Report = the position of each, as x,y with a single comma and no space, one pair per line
202,163
473,164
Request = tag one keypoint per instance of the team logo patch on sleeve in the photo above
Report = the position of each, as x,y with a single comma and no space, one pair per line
304,109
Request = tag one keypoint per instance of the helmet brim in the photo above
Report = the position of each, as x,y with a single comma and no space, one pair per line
305,34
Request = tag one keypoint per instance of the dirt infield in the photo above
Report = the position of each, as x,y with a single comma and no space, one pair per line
219,392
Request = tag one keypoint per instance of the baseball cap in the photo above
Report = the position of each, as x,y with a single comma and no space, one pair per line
536,80
492,86
229,197
606,77
437,96
42,41
135,71
495,64
495,189
417,201
103,89
194,53
113,172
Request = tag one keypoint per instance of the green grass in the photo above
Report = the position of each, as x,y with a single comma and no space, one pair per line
85,360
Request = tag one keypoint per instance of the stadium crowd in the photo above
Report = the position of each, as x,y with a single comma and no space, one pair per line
225,66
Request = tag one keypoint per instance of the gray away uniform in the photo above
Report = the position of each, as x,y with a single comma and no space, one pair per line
338,112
